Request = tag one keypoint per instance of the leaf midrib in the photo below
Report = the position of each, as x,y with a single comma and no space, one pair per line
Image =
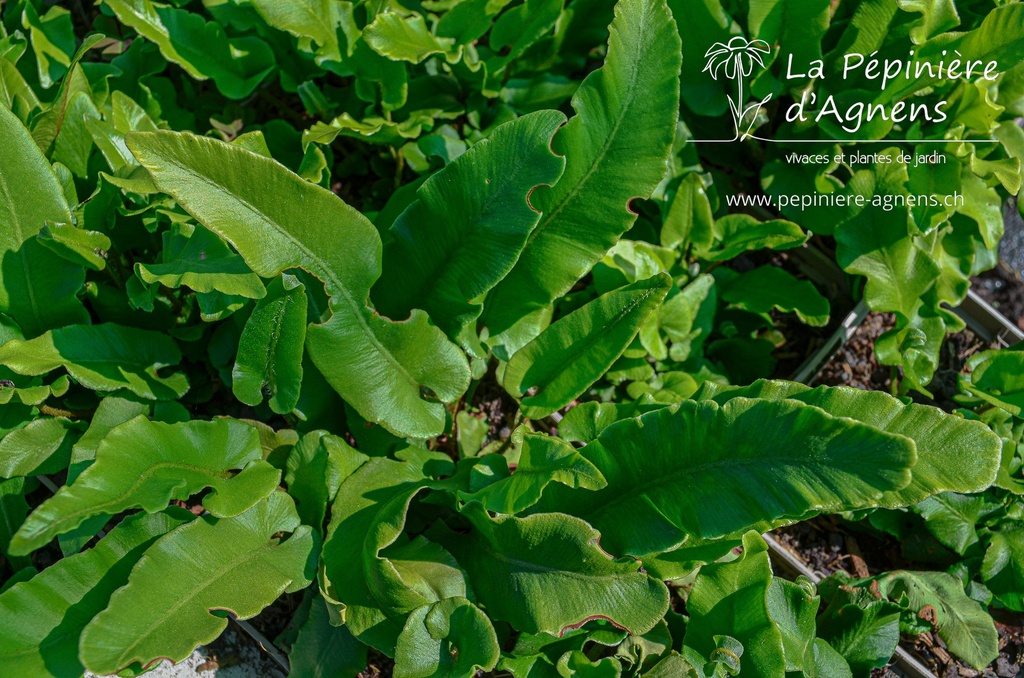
550,216
169,612
325,270
673,475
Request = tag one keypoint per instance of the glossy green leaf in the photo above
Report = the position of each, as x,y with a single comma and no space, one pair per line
733,596
770,287
236,65
53,41
707,471
102,357
571,354
735,234
147,464
196,258
1003,567
312,21
41,446
79,246
689,218
953,454
468,225
37,287
380,581
322,650
864,630
270,349
962,623
542,460
615,147
545,573
277,221
998,378
450,638
43,617
793,607
316,467
158,616
405,38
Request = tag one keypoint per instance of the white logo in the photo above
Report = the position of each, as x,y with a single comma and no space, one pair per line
736,60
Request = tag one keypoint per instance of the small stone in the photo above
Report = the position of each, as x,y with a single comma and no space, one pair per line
1004,669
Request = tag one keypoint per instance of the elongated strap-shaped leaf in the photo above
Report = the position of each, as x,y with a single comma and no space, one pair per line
734,596
41,446
953,453
570,355
378,591
236,65
37,287
768,287
166,608
615,147
146,464
707,470
102,357
276,220
198,259
542,460
323,649
468,225
270,348
41,619
546,573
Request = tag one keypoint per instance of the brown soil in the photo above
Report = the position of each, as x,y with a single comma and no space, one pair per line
1004,289
855,364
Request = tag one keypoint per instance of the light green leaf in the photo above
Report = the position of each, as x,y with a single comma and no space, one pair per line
312,21
733,597
316,467
450,638
102,357
689,219
323,650
1003,567
196,258
793,608
165,609
468,225
962,623
80,247
953,454
381,368
53,41
953,518
270,349
997,377
41,619
770,287
542,460
41,446
37,287
147,464
573,353
707,471
616,147
546,573
377,589
407,39
236,65
936,17
735,234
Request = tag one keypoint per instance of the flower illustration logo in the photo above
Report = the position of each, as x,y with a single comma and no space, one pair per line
736,59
